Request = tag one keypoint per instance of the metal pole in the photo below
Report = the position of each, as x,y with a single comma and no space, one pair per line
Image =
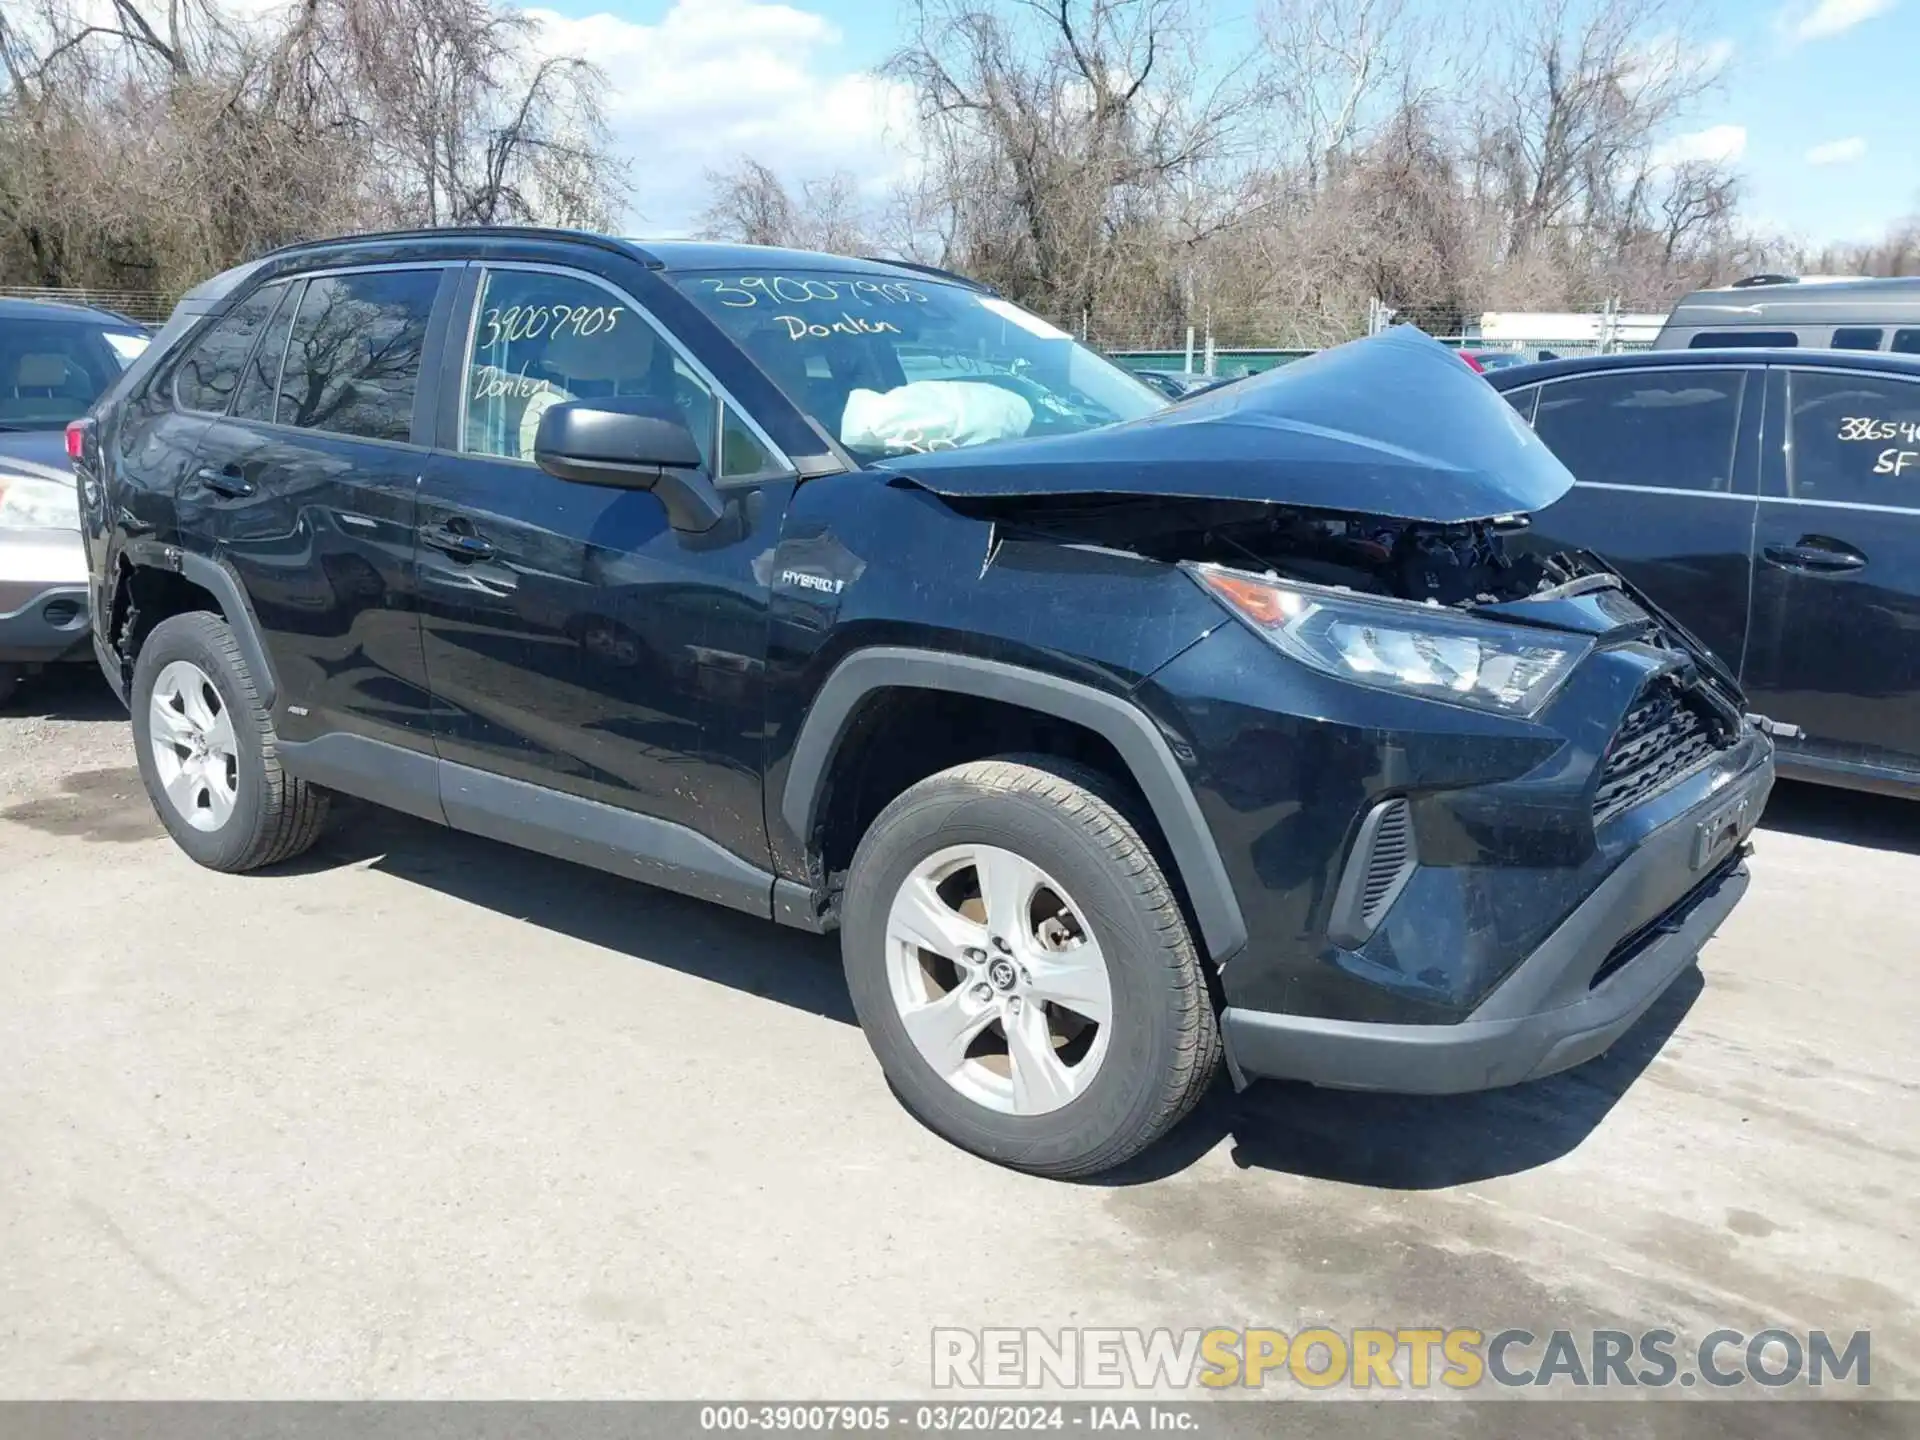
1189,364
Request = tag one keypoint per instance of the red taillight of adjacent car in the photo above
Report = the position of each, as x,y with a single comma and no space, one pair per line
76,439
1473,364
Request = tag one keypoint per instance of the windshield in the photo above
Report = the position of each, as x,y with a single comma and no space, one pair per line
891,366
52,370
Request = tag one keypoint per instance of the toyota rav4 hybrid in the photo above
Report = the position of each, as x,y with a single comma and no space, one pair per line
1111,735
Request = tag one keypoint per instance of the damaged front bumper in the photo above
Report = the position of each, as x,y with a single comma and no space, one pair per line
1584,986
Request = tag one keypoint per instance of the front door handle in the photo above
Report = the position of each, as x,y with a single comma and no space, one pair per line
1815,554
227,481
461,544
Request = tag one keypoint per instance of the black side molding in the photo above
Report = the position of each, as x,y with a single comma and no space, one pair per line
534,817
1139,743
392,775
622,842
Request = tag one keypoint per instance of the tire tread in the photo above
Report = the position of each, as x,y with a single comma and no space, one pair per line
1089,800
292,812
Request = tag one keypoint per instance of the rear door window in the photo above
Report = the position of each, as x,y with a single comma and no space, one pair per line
1854,439
353,359
211,372
1744,340
1906,342
261,380
1664,429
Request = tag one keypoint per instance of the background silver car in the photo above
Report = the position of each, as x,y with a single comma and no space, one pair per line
55,360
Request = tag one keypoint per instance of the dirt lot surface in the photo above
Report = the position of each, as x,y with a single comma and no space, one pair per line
422,1115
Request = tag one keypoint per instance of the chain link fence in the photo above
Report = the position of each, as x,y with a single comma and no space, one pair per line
1244,343
148,307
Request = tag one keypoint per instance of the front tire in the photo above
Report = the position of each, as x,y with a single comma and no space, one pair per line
1022,968
208,754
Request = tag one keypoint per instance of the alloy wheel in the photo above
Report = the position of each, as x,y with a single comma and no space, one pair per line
191,736
998,979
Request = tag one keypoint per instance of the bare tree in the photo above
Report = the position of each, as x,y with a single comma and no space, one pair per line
1336,65
749,204
1585,93
149,144
1061,130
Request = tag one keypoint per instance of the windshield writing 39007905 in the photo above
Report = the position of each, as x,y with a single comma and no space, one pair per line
745,291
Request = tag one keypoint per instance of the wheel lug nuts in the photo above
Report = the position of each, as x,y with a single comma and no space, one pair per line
1001,945
975,955
983,991
1013,1004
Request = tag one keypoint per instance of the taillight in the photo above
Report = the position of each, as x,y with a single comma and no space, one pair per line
1473,363
76,439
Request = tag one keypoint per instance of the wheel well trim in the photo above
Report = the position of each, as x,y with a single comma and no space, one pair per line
1137,740
218,581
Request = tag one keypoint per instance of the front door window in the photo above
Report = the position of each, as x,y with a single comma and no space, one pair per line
541,339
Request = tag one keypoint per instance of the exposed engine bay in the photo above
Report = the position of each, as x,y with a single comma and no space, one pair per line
1479,561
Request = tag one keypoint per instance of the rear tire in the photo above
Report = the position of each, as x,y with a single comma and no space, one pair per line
1057,1019
208,753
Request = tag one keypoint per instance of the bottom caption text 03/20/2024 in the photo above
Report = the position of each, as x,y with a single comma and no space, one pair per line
1305,1419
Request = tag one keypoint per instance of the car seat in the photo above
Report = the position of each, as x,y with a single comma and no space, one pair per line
633,361
39,381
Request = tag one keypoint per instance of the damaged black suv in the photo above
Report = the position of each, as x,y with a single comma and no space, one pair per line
1111,734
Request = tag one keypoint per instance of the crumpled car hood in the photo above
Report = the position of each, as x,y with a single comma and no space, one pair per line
1394,425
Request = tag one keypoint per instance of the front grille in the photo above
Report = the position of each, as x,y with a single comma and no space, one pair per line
1666,736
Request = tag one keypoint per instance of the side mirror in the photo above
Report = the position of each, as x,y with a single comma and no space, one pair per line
630,442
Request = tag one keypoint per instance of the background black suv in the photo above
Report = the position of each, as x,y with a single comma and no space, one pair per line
851,595
1771,500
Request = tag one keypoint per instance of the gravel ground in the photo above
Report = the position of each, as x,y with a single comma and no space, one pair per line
421,1115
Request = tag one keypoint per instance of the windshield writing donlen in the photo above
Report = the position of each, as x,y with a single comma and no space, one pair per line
890,367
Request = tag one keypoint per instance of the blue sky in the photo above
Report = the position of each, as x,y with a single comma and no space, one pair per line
1823,75
1817,110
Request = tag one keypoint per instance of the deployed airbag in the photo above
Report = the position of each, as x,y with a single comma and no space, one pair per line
926,415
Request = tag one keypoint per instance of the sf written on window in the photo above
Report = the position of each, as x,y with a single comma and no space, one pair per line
1856,439
540,340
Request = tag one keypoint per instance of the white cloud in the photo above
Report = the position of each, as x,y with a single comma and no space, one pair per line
1829,17
1671,57
1838,152
718,79
1722,144
1716,54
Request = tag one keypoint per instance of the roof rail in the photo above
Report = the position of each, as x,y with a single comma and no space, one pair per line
935,270
446,232
1755,280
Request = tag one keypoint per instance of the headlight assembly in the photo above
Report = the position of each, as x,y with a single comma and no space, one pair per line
30,503
1428,651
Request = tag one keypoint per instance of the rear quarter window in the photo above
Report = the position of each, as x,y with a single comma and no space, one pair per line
208,375
1522,400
